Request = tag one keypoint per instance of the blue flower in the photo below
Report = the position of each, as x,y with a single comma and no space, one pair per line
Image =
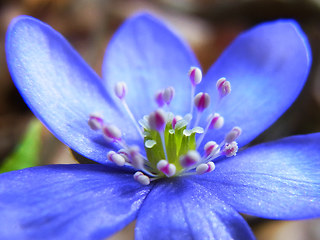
267,67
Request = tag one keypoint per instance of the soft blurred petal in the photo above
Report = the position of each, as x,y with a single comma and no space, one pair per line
279,180
59,87
181,209
146,55
267,67
67,202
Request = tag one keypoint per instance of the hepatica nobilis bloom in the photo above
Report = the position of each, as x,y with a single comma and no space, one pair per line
165,138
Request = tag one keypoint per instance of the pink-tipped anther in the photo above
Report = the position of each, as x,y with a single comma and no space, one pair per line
230,149
168,94
201,101
116,158
205,168
168,169
125,154
210,148
216,121
157,120
95,121
233,134
159,98
141,178
223,87
175,120
191,158
195,75
120,90
111,133
136,159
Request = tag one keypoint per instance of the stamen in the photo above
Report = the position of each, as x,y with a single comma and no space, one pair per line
223,87
191,158
116,158
175,120
137,160
210,148
95,121
120,90
230,149
124,153
169,143
157,120
159,98
205,168
111,133
216,122
233,134
201,101
195,76
168,94
141,178
168,169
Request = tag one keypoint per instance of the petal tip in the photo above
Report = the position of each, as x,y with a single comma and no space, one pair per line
294,25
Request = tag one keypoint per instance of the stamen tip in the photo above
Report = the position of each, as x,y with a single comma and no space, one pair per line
168,169
120,90
230,149
116,158
223,87
217,121
159,98
191,158
205,168
111,133
141,178
168,94
201,101
210,148
95,121
195,75
233,134
157,120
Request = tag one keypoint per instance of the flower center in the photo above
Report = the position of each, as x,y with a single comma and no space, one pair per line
170,142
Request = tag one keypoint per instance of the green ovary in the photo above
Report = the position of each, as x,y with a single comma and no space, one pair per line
178,142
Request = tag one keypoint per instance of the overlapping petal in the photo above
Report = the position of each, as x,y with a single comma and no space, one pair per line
59,87
279,180
67,202
181,209
267,67
146,55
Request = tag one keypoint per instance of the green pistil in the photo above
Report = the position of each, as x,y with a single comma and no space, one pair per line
178,142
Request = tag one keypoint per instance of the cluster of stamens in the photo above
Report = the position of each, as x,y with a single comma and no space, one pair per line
170,143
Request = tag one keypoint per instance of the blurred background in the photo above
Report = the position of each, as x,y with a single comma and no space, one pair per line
208,26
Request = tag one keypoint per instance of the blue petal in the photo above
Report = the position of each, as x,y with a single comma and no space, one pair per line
59,87
148,56
67,202
279,180
180,209
267,67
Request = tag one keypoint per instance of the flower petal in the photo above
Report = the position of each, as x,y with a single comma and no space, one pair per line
59,87
267,67
146,55
180,209
279,180
67,202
